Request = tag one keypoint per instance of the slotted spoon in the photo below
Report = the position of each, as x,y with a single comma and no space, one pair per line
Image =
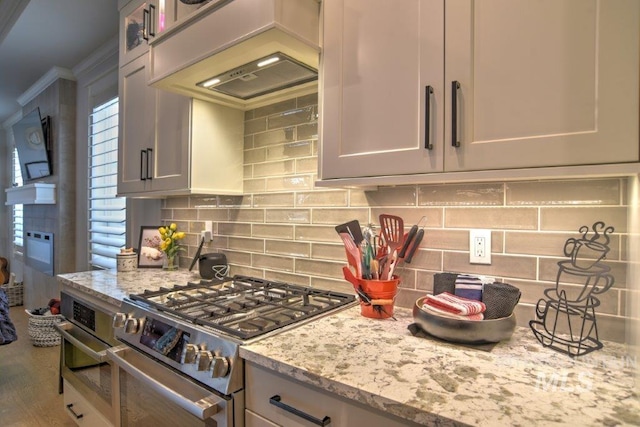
392,228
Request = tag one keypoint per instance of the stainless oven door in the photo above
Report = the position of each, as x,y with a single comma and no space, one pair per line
151,394
84,364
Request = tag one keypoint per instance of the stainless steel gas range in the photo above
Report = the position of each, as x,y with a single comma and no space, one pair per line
195,330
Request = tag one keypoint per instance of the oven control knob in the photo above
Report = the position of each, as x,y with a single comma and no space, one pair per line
220,367
190,353
203,360
118,320
132,325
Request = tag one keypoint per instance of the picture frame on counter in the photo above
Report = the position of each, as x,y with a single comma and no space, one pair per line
149,253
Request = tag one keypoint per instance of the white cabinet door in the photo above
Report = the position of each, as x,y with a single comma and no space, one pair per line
170,158
137,126
538,84
543,83
378,59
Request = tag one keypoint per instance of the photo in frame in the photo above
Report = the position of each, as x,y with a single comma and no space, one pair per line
149,253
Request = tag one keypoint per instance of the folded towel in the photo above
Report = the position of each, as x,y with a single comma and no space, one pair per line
454,304
444,282
469,287
435,310
500,299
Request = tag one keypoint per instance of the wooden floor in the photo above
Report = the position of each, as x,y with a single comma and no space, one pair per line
29,381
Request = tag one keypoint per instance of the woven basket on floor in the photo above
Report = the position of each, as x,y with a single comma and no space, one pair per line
15,293
41,330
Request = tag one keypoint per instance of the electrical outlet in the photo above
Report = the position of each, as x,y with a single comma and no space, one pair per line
480,246
208,226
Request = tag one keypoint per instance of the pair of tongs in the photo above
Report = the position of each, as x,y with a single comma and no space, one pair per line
412,242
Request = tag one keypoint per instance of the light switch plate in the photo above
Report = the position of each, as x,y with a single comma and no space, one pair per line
480,246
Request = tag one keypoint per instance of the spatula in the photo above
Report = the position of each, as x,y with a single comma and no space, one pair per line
392,228
353,253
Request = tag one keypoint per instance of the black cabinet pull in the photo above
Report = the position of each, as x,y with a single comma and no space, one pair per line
427,117
152,20
78,416
143,154
276,400
455,85
149,163
145,24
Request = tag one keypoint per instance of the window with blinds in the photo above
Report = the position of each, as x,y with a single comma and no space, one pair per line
107,213
18,215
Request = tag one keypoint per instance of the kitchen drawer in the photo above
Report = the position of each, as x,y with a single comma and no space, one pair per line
263,384
251,419
80,410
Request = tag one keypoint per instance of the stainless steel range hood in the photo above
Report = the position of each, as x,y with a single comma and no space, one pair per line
220,57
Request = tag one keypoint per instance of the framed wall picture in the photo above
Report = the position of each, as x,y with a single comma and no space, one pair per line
149,253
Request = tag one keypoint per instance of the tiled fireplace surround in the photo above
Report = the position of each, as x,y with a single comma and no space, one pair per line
283,228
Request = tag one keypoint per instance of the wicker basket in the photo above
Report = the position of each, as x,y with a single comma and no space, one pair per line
41,329
15,293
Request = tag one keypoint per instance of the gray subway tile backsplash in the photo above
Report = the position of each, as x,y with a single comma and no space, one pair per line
283,228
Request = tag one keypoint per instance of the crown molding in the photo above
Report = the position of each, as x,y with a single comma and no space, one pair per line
100,55
44,82
10,11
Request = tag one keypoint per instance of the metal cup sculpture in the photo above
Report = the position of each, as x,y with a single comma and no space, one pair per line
570,306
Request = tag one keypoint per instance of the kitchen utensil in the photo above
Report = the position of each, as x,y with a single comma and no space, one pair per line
348,275
353,229
353,253
411,242
463,331
390,264
392,229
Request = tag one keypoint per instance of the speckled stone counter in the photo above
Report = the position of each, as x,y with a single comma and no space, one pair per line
112,286
379,363
517,383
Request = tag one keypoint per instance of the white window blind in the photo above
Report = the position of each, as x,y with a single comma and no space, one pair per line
18,215
107,213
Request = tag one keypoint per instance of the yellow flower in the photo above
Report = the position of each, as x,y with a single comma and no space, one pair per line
169,239
178,235
162,230
173,226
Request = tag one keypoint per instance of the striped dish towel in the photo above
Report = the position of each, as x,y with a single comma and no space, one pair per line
434,310
470,287
455,304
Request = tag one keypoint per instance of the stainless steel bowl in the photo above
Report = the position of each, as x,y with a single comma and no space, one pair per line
464,331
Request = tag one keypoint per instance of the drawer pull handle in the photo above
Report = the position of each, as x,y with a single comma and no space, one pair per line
277,400
78,416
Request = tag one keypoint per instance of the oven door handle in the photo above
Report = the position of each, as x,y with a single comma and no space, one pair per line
63,329
203,408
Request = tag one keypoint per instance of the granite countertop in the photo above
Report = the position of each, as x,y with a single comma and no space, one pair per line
430,382
379,363
112,286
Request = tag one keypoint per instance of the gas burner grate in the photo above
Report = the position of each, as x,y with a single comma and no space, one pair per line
243,306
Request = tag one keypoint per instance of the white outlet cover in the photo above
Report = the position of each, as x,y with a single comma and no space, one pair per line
486,236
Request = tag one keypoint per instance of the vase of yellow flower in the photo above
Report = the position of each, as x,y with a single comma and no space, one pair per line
169,245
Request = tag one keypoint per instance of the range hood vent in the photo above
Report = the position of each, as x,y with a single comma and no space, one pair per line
215,55
262,76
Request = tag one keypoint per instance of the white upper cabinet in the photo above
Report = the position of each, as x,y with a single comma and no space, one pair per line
377,61
514,84
140,22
